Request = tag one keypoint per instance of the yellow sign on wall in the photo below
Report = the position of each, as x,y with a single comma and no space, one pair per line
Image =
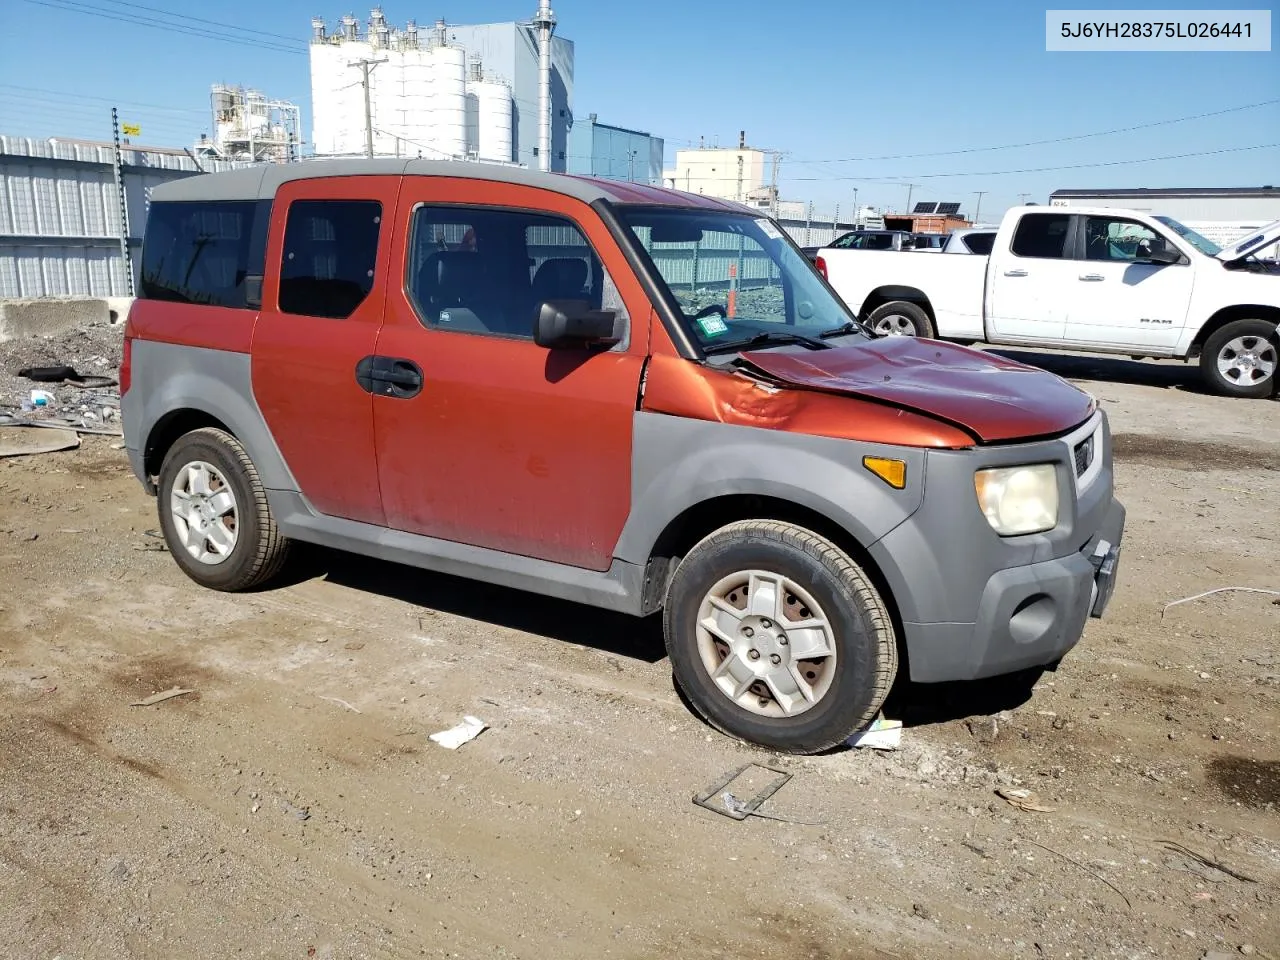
131,129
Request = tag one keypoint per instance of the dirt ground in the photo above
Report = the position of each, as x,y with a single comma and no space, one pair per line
292,805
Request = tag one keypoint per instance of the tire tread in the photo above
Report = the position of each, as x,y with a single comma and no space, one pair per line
849,573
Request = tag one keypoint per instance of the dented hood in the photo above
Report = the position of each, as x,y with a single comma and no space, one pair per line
992,398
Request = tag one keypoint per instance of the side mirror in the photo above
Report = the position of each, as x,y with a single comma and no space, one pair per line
1163,255
573,323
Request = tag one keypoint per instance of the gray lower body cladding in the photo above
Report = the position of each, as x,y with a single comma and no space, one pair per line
973,604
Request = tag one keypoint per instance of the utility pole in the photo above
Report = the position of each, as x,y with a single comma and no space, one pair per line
978,209
366,66
1022,198
910,187
124,204
855,208
740,162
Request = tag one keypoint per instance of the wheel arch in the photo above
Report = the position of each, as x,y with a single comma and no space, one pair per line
1239,311
699,520
888,293
169,429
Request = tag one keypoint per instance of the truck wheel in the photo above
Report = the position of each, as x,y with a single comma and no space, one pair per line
901,318
777,637
214,514
1239,359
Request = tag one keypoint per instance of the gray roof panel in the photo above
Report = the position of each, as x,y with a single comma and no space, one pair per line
261,183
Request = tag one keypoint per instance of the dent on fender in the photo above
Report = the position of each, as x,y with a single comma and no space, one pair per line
677,387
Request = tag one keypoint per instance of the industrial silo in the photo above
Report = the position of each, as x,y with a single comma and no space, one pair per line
494,120
449,82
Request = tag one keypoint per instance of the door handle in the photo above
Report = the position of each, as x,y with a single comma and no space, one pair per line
1015,273
389,377
399,378
1092,277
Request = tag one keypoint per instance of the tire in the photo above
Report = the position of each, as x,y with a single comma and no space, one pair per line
901,318
845,688
243,548
1240,359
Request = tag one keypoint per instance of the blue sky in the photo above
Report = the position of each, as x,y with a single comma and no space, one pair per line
822,80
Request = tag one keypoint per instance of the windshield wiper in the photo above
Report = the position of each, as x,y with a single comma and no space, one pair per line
767,337
849,326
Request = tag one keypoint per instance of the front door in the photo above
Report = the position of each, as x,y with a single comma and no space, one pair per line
1028,282
1122,299
505,444
327,258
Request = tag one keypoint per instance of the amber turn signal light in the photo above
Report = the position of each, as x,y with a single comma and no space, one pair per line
892,472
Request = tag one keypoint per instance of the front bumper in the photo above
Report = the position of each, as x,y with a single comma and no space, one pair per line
1028,616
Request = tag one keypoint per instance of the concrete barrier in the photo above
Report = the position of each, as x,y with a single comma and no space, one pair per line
49,317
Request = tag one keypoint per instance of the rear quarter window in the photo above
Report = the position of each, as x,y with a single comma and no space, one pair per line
980,243
206,253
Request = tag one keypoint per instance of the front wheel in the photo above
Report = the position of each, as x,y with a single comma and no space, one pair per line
777,637
901,318
1239,359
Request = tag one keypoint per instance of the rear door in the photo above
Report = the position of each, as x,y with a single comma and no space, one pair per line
1029,281
327,268
1120,297
506,444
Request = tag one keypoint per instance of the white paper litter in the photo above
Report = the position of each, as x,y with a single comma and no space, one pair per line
881,735
454,737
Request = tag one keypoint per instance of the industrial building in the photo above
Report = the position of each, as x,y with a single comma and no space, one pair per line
739,173
447,92
61,219
599,150
247,125
1220,214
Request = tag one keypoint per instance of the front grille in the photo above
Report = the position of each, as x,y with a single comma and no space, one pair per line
1083,454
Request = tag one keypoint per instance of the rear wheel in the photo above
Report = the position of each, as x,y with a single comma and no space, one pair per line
901,318
214,513
1240,359
777,637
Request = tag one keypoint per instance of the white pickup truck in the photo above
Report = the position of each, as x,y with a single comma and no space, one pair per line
1094,279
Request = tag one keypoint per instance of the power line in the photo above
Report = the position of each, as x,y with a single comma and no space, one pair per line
1039,143
170,26
1073,166
215,23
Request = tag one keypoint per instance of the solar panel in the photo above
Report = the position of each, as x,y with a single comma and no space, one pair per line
948,208
925,206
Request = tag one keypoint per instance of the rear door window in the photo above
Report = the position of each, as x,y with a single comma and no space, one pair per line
209,253
1042,235
330,255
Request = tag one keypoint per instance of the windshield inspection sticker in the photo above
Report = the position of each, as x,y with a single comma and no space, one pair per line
712,326
768,229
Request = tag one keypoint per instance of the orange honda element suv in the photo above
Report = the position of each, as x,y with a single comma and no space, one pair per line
620,395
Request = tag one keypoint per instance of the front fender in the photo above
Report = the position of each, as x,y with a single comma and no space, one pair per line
678,463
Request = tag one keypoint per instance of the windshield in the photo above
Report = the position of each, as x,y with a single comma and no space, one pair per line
1202,244
733,277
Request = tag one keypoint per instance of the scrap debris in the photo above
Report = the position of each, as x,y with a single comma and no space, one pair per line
1210,593
161,697
23,443
881,735
464,732
1024,800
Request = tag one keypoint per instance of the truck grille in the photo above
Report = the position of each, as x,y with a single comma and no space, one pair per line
1083,454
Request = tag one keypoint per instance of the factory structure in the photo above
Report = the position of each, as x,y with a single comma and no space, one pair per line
247,125
442,92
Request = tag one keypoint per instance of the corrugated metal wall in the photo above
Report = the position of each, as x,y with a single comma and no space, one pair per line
60,214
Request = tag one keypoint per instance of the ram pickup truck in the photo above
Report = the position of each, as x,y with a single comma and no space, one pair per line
1096,279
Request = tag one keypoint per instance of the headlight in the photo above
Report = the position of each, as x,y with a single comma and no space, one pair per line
1019,500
